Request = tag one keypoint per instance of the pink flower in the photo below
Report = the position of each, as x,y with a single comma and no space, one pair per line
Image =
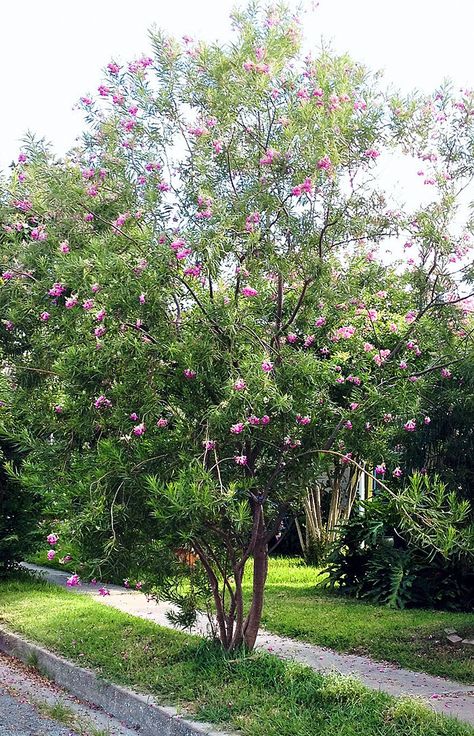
240,459
249,291
292,444
354,379
320,322
354,405
139,429
23,204
102,402
126,583
240,384
267,366
22,158
100,331
392,327
410,317
346,458
71,302
403,365
397,473
270,155
92,191
121,220
410,426
162,423
89,217
324,163
44,316
252,220
113,67
380,469
372,315
194,271
381,357
427,420
218,146
382,294
52,539
446,373
7,275
51,554
302,420
209,444
368,347
95,288
305,188
142,298
371,153
345,332
100,316
64,247
348,424
265,419
189,373
39,234
58,409
103,591
291,338
237,428
73,581
88,304
252,420
103,90
138,586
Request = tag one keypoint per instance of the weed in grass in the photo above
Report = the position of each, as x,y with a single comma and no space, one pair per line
32,660
58,711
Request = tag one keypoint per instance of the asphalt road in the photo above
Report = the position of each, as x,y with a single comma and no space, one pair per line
32,705
22,719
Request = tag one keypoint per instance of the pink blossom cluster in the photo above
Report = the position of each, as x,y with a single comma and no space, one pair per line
102,402
252,221
305,188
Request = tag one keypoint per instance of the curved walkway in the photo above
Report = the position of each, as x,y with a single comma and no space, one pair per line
444,696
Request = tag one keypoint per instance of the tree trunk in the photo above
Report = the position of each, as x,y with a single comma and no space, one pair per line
260,569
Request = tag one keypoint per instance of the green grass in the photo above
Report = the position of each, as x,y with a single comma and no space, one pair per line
412,638
258,694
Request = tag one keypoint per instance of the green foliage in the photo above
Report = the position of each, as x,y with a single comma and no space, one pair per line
412,548
192,304
19,510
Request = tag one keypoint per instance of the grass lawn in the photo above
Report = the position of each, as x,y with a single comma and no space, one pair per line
412,638
258,694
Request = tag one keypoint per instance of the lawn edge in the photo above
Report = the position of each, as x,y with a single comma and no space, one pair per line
134,709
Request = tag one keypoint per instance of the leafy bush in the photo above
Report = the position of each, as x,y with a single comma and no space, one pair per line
415,548
18,511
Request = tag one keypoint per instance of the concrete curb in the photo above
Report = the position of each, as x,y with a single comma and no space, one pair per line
136,711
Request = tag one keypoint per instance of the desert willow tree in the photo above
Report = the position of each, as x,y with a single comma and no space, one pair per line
194,315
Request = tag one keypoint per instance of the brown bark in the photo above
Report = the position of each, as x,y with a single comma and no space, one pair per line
260,568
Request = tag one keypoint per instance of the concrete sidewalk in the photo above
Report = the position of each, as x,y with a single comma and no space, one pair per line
444,696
